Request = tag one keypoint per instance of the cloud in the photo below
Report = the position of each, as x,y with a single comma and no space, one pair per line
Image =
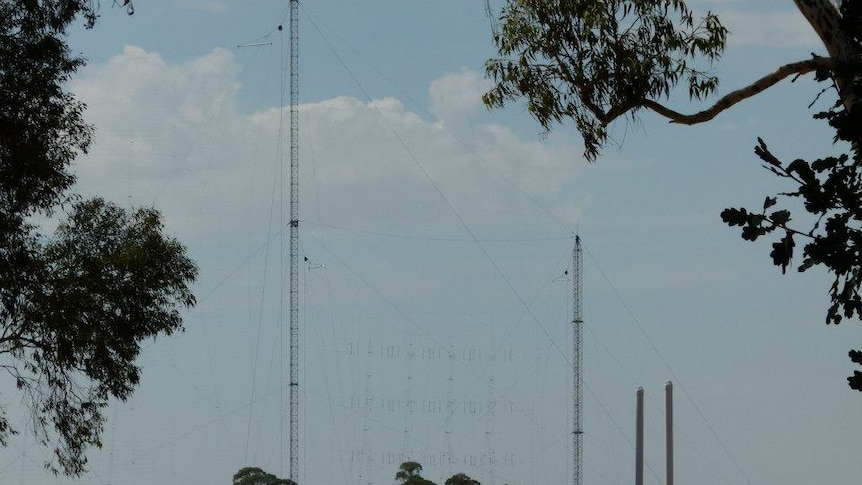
779,28
174,136
457,98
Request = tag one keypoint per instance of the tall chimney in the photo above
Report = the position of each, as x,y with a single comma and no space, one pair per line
639,439
668,412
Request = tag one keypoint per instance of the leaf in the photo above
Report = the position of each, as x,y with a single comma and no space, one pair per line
769,202
824,164
762,151
782,251
780,218
855,381
806,264
751,233
734,217
801,168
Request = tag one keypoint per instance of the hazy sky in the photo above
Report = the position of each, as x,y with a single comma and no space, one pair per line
435,309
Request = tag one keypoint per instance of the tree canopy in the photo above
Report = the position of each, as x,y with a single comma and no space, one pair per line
592,62
409,473
256,476
461,479
75,305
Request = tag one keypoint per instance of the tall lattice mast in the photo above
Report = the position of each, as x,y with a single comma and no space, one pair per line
577,362
294,241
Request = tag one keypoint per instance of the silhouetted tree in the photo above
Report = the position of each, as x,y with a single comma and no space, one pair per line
256,476
461,479
409,474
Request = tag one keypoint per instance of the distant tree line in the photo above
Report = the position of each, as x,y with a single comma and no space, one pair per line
409,473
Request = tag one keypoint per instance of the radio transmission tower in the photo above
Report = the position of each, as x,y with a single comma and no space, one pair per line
577,362
294,242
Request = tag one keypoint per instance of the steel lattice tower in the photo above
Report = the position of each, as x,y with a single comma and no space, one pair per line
294,242
577,362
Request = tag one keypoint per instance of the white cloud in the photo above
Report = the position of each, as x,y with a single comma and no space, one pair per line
541,167
173,135
457,98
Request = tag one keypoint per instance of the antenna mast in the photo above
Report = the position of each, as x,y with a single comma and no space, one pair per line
294,242
577,361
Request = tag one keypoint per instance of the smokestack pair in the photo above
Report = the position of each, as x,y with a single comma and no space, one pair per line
639,439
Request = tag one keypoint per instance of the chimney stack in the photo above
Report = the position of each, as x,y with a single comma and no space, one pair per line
668,411
639,439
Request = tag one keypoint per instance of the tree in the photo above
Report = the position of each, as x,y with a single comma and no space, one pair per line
593,62
409,474
75,305
256,476
461,479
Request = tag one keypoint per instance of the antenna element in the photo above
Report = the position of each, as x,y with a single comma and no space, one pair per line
294,242
577,362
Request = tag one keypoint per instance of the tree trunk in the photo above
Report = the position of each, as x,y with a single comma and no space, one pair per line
826,21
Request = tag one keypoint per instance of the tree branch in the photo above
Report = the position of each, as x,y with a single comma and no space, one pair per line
825,19
730,99
582,92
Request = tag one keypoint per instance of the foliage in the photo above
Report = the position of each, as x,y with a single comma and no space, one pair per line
830,191
461,479
593,61
76,305
256,476
75,309
409,474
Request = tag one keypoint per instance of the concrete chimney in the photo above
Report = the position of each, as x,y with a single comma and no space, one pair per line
639,439
668,412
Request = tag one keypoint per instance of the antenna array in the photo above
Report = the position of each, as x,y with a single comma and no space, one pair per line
577,361
294,242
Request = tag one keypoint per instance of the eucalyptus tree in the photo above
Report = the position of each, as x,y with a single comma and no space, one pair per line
75,303
461,479
592,62
410,473
256,476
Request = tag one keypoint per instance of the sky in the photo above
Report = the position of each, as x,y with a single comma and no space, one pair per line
435,299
